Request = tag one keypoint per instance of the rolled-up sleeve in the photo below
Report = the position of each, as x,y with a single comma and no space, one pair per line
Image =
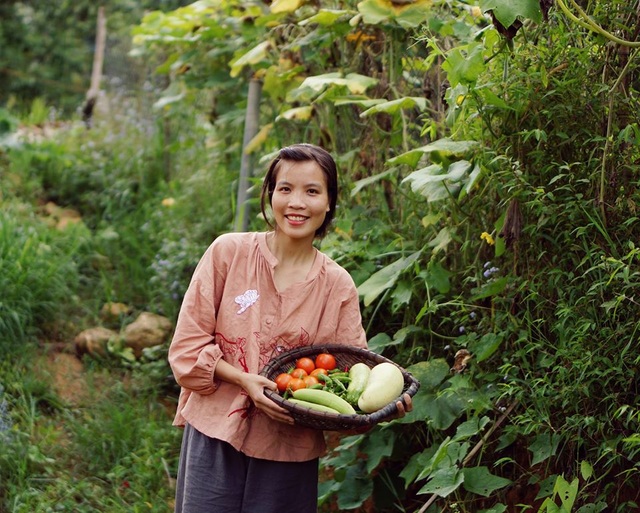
193,355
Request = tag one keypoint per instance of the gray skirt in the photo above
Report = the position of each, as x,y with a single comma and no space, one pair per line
213,477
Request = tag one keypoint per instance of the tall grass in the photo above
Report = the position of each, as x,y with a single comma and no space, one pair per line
38,273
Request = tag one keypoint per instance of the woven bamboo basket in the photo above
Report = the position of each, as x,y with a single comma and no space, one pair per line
345,357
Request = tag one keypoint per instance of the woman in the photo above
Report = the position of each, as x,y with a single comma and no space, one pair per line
252,296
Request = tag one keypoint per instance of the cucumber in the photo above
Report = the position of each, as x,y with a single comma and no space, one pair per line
386,383
324,398
312,406
359,377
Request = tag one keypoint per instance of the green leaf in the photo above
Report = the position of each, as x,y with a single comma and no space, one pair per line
416,464
430,373
464,64
358,489
385,278
491,288
284,6
485,347
394,106
586,470
443,482
567,492
441,411
361,184
255,55
438,276
471,427
379,342
297,113
498,508
479,480
406,14
506,11
435,184
326,17
447,148
354,82
440,242
546,487
543,446
378,445
593,507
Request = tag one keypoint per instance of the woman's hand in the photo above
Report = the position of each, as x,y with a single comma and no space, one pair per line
254,385
404,408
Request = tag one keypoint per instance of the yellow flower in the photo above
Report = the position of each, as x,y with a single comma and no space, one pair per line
487,237
168,202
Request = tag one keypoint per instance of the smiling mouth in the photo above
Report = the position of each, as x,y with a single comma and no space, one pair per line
296,219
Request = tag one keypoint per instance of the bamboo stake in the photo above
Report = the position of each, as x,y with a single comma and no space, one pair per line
252,118
96,72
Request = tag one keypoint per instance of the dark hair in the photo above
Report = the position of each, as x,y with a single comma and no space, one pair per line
302,153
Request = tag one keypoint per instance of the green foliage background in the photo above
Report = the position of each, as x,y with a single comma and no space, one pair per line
490,191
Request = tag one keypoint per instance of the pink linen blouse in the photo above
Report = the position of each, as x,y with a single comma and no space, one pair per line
233,310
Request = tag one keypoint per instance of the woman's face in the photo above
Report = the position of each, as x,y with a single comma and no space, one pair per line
300,199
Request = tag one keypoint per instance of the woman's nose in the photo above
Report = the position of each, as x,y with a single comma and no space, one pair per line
296,200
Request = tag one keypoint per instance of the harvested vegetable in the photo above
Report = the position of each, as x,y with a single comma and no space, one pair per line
385,384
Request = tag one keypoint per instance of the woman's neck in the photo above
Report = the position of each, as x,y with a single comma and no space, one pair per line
290,251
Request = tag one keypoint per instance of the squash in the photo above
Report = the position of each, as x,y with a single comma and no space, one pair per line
325,398
386,383
358,379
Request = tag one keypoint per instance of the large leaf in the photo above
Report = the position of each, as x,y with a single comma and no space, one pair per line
354,82
406,14
543,446
285,6
464,64
360,184
297,114
378,445
436,184
325,17
485,347
444,148
444,482
430,373
358,487
507,11
394,106
440,411
385,278
255,55
479,480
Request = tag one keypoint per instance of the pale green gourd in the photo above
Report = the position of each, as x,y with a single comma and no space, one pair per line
358,379
386,383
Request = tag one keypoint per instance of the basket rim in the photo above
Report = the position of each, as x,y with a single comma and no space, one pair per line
333,421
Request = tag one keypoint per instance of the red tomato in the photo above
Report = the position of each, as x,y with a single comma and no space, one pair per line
319,370
326,361
282,381
306,364
298,373
310,381
296,384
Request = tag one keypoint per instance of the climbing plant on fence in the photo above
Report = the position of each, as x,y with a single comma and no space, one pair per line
489,153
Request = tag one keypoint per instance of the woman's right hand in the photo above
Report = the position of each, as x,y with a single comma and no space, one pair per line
254,385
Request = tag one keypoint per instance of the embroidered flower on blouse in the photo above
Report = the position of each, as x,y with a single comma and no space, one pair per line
246,300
